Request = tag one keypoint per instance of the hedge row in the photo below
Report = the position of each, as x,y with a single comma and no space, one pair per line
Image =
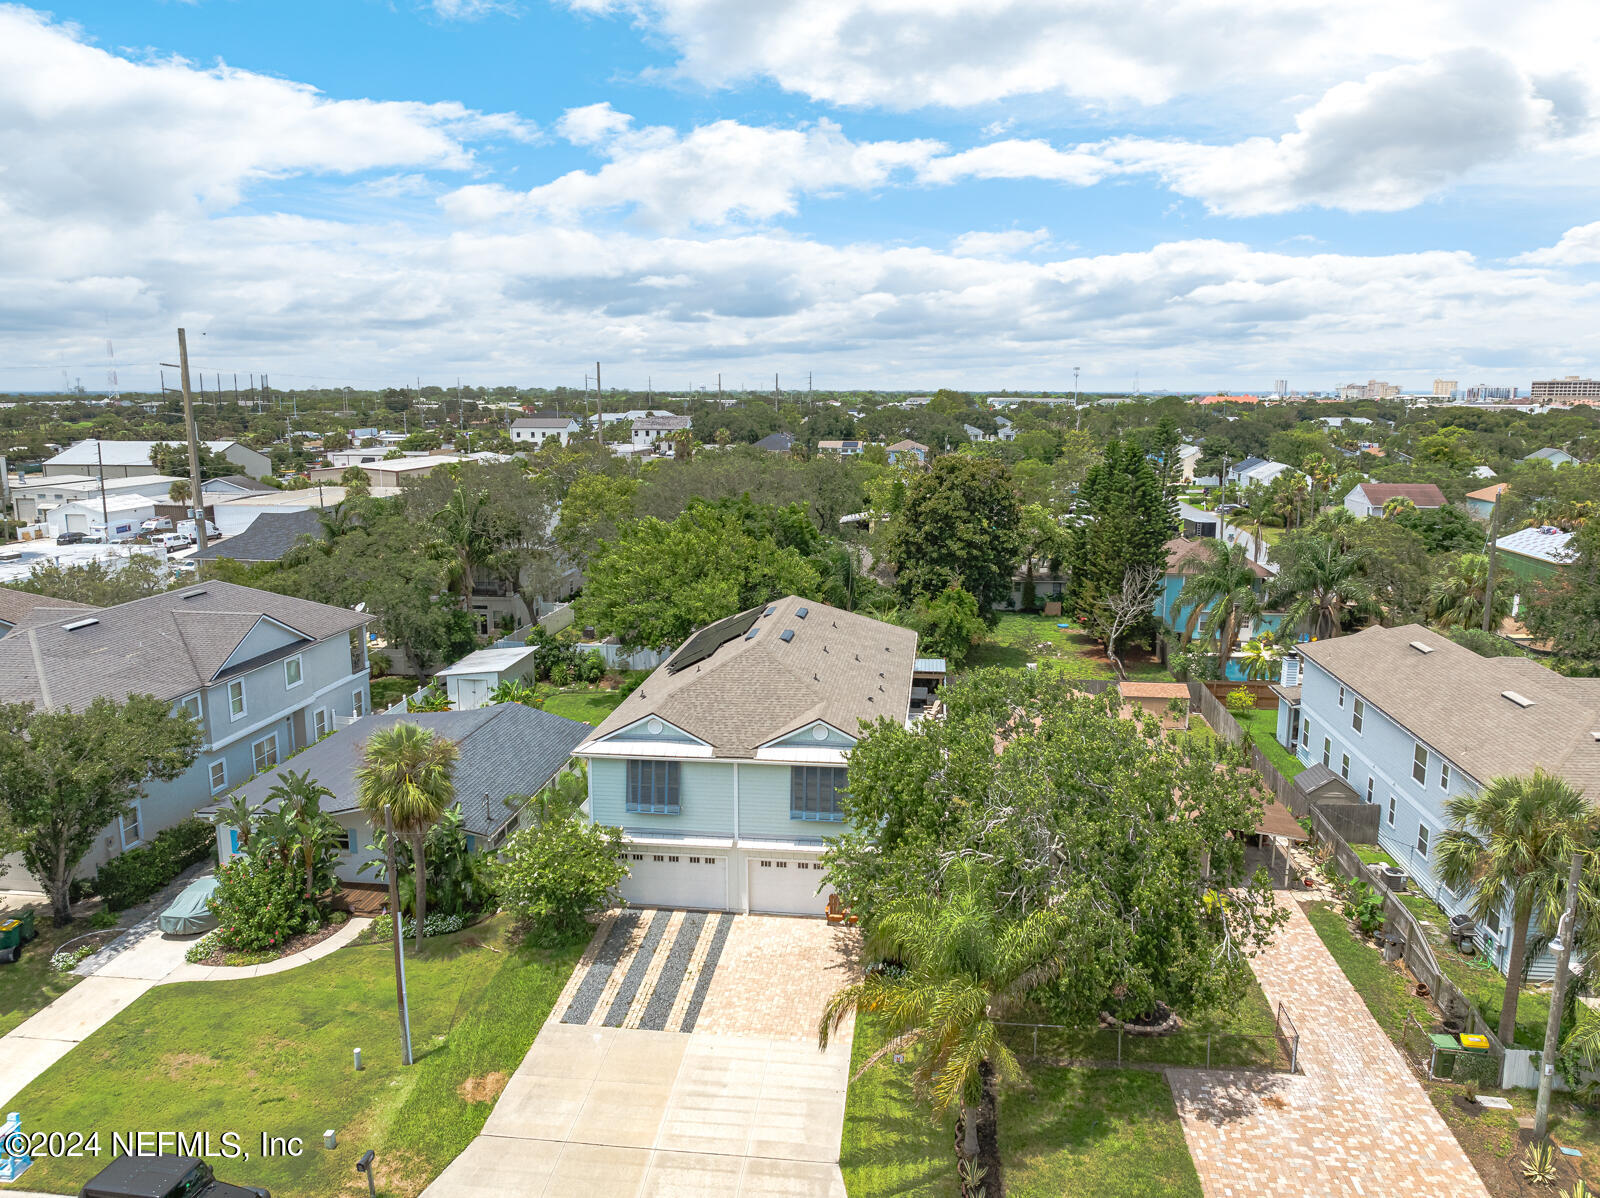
141,872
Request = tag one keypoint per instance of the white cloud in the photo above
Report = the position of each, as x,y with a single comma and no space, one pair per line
714,175
471,10
1103,53
83,130
1006,244
1018,159
1384,143
1579,246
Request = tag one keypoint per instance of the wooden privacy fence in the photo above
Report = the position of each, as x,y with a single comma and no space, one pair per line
1407,938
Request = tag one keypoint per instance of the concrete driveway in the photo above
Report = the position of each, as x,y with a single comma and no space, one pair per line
742,1105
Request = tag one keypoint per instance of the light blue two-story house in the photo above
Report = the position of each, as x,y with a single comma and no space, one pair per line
263,674
1185,557
725,767
1408,718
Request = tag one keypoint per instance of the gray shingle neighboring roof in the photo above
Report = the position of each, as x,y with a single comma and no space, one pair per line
1451,700
266,538
166,645
840,667
505,750
19,607
660,424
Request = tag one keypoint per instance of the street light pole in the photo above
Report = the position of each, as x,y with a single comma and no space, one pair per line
1552,1028
399,950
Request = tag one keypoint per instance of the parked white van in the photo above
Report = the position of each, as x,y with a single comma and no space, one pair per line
187,528
172,540
157,524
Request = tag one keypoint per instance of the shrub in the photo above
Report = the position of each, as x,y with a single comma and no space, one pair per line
552,875
66,962
592,666
260,903
1240,699
203,947
1363,906
139,873
437,924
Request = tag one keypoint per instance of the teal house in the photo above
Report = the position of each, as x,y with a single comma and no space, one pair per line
726,766
1185,558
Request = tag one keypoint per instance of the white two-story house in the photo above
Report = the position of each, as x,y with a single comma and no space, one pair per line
536,430
1409,718
263,674
725,767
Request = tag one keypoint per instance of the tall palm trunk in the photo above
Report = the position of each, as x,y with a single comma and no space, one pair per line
420,872
1519,950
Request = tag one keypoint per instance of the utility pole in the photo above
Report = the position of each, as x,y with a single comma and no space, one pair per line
1077,411
599,411
1562,943
196,505
1494,535
105,515
235,388
719,384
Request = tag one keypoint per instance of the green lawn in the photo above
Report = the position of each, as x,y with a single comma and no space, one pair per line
1262,727
389,690
1383,987
1371,854
33,983
1021,638
1107,1132
590,705
273,1054
1244,1036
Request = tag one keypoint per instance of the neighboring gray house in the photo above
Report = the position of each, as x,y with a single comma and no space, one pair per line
647,430
506,752
536,430
264,674
1556,457
266,538
126,459
776,443
1253,470
1409,718
1369,499
725,766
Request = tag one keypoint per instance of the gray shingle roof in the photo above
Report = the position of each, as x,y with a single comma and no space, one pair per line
18,607
504,750
266,538
1453,701
167,645
839,667
1316,776
243,481
776,442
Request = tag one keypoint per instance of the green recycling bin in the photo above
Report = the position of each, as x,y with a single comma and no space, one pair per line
28,931
10,941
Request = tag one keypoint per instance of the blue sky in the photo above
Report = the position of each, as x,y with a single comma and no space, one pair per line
970,192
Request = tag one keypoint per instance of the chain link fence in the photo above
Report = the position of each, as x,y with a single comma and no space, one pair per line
1441,1062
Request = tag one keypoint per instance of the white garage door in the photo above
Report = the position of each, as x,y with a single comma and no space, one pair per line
77,522
676,880
787,887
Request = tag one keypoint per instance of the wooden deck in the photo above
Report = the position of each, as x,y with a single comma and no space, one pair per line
362,898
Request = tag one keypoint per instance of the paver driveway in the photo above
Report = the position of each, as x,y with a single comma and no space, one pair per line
1355,1121
740,1103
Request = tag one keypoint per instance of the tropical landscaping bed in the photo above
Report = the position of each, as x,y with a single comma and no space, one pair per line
208,950
181,1057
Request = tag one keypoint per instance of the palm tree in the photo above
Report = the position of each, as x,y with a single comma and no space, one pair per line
309,831
1223,592
1322,583
463,527
514,690
1263,658
1393,506
1514,839
1455,600
178,492
408,775
965,967
237,814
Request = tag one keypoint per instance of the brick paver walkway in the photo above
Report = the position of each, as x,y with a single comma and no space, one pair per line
1355,1121
777,974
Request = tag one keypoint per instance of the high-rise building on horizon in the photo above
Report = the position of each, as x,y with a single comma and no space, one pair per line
1371,389
1446,387
1280,387
1571,388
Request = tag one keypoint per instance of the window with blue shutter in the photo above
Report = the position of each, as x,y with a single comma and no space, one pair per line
652,788
814,791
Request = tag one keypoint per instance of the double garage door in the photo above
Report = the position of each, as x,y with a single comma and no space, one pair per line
779,886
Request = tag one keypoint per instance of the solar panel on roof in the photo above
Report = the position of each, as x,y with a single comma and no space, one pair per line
711,638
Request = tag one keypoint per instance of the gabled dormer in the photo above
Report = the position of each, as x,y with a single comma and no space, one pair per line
650,736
